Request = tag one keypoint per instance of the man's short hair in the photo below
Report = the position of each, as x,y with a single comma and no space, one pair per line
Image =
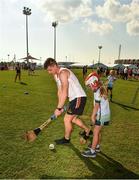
49,62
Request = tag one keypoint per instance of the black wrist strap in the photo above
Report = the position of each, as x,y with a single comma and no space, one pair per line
59,108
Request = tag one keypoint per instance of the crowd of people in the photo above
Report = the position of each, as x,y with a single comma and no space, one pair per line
123,73
11,65
18,67
3,66
128,73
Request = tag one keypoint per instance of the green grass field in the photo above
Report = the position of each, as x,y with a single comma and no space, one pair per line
20,112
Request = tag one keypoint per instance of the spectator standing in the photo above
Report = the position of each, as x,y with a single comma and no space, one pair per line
18,72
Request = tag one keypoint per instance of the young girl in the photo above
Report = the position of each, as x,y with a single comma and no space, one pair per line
110,80
101,112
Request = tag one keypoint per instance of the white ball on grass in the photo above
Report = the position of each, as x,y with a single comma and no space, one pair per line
51,146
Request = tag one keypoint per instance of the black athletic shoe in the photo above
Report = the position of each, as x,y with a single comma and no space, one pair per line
83,133
62,141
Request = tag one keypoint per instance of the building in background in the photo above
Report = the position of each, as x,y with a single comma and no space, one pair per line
127,61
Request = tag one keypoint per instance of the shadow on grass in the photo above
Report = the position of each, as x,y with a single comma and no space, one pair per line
101,167
125,106
23,83
135,96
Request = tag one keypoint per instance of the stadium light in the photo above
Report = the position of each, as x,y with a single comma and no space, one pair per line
27,12
54,24
99,47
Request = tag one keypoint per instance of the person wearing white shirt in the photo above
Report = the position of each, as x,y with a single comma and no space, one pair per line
100,115
68,87
110,81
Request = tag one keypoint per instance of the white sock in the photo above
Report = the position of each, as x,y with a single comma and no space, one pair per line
67,138
92,150
98,146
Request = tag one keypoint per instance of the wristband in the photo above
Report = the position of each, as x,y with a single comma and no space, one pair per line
59,108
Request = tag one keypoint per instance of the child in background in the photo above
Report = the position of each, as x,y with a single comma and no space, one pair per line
110,80
18,72
100,115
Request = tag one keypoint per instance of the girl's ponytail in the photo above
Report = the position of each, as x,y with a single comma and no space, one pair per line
103,90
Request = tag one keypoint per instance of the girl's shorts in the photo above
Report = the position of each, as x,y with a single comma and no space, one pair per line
103,120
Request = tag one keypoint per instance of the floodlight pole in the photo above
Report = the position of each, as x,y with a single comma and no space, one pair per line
119,53
99,47
54,24
8,57
27,12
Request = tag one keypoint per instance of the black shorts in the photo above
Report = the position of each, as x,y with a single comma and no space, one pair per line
76,106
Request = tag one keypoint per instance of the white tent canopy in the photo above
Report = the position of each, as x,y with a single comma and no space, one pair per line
110,65
78,65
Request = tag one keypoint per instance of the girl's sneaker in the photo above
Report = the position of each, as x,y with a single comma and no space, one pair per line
83,133
89,153
97,148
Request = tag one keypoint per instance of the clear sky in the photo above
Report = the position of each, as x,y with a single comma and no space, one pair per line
83,25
